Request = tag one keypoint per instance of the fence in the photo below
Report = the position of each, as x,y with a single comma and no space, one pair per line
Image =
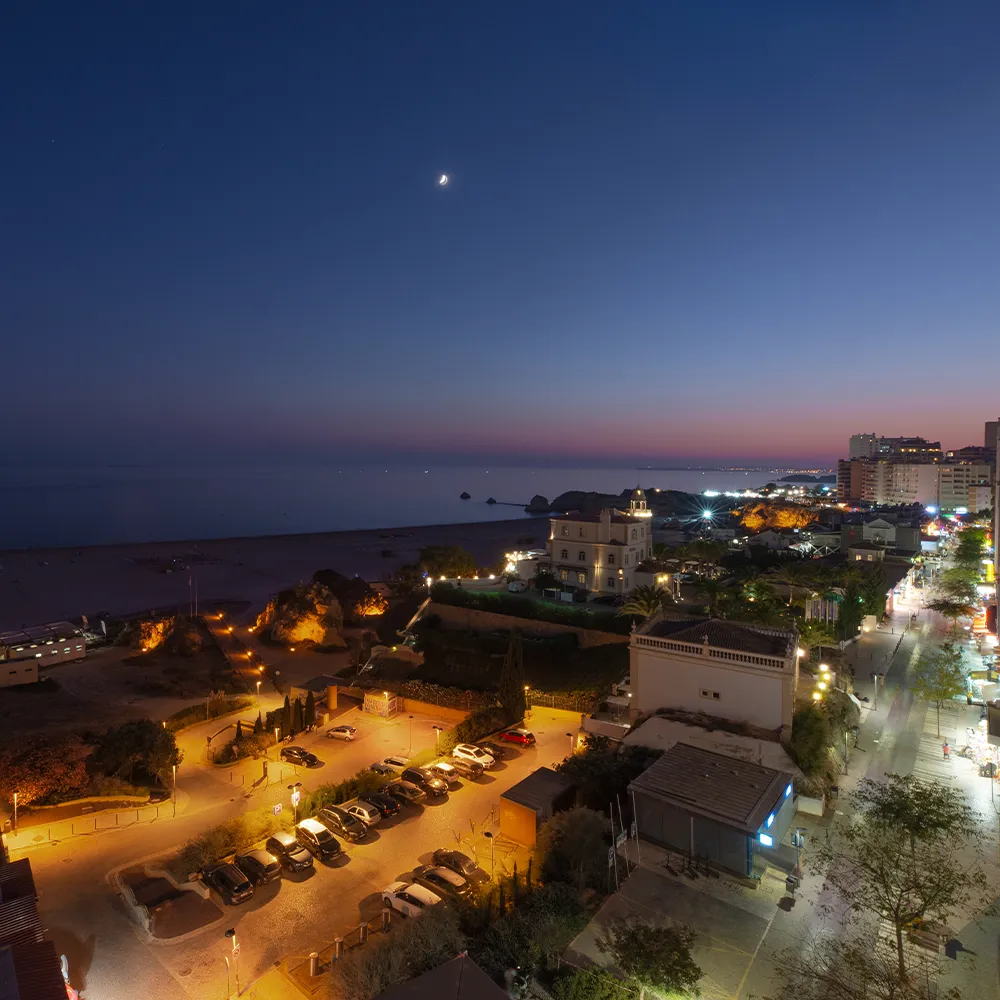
98,822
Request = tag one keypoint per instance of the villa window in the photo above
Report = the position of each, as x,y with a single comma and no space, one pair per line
582,556
565,554
633,534
562,574
611,559
565,529
581,577
611,581
582,532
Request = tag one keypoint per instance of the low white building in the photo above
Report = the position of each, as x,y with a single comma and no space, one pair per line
733,670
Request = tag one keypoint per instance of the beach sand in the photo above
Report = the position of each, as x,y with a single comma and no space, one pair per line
41,585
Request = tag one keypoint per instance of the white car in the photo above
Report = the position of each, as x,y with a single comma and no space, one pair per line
342,733
365,812
408,898
469,751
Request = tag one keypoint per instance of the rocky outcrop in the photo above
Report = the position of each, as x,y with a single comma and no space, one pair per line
465,496
538,505
305,615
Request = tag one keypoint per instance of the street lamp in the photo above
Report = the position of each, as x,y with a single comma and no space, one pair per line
277,738
489,836
527,701
231,933
571,742
174,790
258,694
15,812
411,734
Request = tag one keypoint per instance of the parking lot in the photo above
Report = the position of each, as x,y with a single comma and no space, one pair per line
301,913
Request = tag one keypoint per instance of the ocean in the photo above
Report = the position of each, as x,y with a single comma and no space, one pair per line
48,507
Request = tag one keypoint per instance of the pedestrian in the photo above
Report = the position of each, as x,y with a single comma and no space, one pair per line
946,749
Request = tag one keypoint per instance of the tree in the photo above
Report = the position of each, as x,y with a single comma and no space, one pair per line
239,730
970,548
37,769
834,968
811,739
814,633
296,717
794,574
939,677
603,770
873,591
286,719
511,687
655,957
953,610
591,983
406,580
447,560
713,591
572,847
258,726
645,601
141,744
958,583
877,863
309,713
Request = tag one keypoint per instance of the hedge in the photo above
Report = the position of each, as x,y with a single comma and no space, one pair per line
217,707
236,834
531,609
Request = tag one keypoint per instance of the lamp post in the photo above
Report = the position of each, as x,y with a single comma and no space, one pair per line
527,701
231,934
277,737
174,790
411,735
489,837
258,695
15,812
571,743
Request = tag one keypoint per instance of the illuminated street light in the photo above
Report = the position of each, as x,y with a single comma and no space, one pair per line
817,695
258,694
231,933
800,652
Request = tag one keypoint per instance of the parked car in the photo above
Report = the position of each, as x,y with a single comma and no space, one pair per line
469,769
289,851
519,736
365,812
469,751
423,778
405,791
230,883
342,733
384,769
339,821
299,755
442,880
317,839
496,750
398,761
385,804
259,866
448,773
408,898
460,863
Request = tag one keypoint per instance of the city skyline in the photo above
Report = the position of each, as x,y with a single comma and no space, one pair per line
667,234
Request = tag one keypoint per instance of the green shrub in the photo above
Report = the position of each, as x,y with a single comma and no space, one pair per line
592,983
357,786
572,847
475,727
217,706
236,834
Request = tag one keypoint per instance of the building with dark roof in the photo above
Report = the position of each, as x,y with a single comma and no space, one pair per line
733,813
459,979
533,800
732,670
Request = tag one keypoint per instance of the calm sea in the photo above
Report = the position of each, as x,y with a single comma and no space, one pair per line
95,506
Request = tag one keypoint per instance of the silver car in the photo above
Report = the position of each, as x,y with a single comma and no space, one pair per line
365,812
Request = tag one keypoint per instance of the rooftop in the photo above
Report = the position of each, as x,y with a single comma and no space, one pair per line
459,979
54,630
16,881
724,634
735,792
539,790
31,972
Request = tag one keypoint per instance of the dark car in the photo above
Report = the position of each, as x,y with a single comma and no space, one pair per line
379,768
317,839
425,780
339,821
289,852
470,769
442,880
519,736
461,864
230,883
259,866
299,755
495,750
406,791
385,804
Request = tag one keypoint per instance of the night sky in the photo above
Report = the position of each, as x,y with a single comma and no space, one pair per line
696,229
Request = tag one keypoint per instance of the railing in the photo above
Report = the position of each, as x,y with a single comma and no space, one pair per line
713,652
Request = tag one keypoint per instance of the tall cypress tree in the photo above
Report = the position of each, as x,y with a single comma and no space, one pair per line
286,719
309,717
239,730
512,679
296,716
258,726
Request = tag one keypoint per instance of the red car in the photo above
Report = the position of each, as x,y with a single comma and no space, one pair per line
521,736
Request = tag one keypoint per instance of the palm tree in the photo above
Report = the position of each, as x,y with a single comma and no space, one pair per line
794,575
645,601
713,590
814,633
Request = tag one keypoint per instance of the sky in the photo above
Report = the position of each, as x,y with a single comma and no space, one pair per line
671,231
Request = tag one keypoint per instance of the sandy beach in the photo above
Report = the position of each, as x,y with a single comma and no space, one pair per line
40,585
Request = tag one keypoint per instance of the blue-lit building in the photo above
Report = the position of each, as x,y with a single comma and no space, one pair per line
731,812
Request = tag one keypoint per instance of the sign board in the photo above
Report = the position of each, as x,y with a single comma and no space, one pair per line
296,797
276,809
634,831
621,838
611,856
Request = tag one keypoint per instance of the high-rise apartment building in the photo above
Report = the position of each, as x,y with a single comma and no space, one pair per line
896,483
863,445
990,437
961,485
